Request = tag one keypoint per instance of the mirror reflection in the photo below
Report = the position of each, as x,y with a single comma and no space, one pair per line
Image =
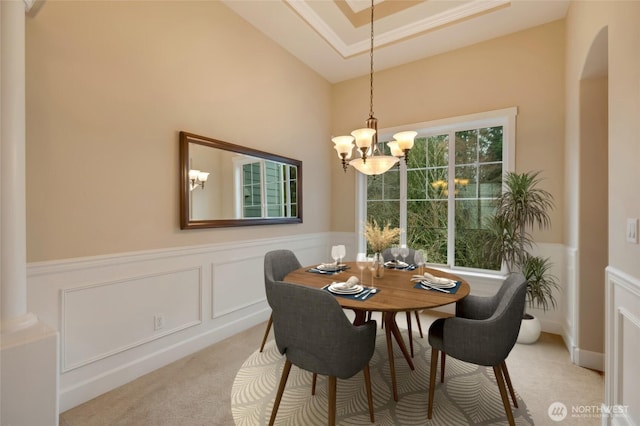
224,184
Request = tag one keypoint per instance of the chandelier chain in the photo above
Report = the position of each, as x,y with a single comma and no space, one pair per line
371,64
372,160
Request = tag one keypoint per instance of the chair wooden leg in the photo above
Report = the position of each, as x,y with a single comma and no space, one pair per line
283,382
410,332
497,369
266,333
313,383
367,383
332,400
443,358
432,379
507,379
418,321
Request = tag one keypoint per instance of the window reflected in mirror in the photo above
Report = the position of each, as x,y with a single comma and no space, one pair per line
268,189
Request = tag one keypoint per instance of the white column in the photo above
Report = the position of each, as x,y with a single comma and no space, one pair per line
13,203
28,348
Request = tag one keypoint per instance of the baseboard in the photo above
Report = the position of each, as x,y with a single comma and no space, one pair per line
588,359
109,380
550,326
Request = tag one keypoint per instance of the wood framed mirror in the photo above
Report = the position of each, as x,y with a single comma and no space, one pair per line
223,184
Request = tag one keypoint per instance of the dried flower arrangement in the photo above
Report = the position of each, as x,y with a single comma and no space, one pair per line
379,238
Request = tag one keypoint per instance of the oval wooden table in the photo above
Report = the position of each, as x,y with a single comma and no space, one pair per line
396,293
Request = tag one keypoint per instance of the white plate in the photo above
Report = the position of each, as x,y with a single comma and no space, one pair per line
330,267
338,288
450,284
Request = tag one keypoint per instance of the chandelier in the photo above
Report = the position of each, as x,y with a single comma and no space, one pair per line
371,161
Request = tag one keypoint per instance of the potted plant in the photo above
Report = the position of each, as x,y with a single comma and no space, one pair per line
521,207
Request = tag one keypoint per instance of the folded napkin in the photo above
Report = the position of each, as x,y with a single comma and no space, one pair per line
432,279
350,283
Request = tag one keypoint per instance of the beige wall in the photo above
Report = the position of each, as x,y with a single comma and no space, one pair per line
525,70
110,85
585,21
593,199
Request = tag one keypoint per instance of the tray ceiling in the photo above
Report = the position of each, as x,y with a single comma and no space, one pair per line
333,36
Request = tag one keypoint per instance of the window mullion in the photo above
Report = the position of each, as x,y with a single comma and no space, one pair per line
263,189
451,214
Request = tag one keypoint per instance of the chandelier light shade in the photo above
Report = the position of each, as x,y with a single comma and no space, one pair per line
375,165
404,141
344,147
372,162
364,138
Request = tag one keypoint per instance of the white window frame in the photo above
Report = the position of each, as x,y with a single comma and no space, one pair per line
503,117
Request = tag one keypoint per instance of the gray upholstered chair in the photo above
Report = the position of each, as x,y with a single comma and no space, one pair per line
487,340
277,264
313,333
482,307
386,254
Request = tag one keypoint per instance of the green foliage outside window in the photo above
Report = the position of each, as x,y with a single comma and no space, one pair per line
476,183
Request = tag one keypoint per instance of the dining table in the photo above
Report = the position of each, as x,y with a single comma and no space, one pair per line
394,292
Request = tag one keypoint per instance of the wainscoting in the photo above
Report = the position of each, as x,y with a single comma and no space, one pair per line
125,315
622,389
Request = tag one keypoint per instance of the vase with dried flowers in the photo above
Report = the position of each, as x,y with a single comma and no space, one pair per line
378,239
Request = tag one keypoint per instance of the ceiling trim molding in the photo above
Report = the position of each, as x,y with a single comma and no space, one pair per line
359,6
465,11
32,7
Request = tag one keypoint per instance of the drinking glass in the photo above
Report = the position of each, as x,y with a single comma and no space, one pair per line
342,252
335,254
371,264
395,251
361,261
418,259
404,252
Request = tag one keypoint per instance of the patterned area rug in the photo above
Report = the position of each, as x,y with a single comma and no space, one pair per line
469,394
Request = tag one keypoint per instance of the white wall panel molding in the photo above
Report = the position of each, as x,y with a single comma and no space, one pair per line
237,284
104,306
103,319
622,389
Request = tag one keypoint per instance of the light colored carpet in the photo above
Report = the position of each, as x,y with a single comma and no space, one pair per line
196,390
469,394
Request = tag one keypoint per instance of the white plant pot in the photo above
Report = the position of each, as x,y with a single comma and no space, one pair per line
529,330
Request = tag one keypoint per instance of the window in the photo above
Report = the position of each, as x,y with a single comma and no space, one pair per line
269,189
442,198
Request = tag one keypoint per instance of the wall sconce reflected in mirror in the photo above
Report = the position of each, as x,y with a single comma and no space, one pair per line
197,178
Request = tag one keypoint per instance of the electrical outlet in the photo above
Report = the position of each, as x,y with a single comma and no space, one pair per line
158,322
632,230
